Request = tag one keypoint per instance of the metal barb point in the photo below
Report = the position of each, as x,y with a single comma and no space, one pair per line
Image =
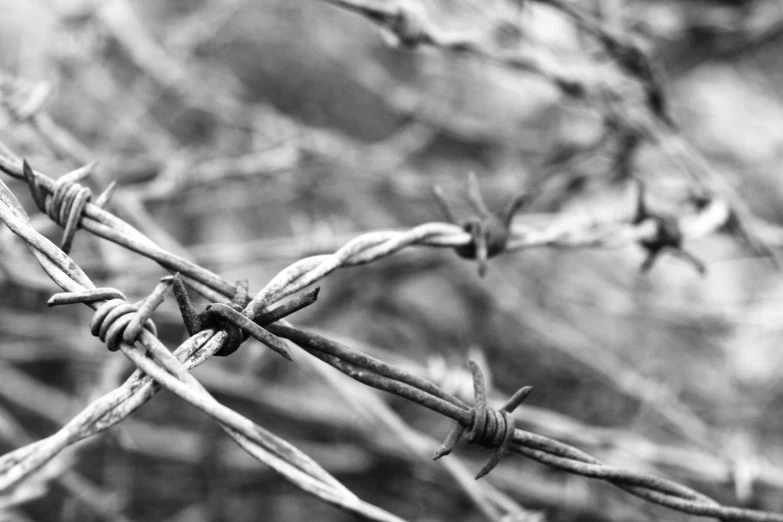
105,196
88,296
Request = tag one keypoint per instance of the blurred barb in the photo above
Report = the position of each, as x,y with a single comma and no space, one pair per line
410,23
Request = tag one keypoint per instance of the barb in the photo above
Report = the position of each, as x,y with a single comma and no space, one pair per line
668,235
229,318
489,230
116,320
490,428
67,201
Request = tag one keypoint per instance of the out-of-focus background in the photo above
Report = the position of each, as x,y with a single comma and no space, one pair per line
249,134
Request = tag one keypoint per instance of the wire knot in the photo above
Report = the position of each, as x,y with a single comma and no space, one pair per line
112,320
68,200
490,428
115,320
489,230
229,318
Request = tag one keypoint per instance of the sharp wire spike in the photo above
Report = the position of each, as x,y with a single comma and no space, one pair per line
106,195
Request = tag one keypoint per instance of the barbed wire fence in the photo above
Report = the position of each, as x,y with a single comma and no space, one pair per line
123,326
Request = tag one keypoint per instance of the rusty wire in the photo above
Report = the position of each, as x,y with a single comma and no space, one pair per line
170,370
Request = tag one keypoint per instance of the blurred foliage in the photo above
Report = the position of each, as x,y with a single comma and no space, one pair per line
257,133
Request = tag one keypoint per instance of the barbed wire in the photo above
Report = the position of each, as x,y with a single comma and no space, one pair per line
488,427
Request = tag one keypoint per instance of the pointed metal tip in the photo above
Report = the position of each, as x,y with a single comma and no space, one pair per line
489,465
442,452
518,398
90,168
286,353
28,171
106,195
79,174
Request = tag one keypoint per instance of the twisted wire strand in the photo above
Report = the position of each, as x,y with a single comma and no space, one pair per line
67,200
578,233
376,245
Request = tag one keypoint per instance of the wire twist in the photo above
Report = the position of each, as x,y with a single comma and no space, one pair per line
115,320
66,203
238,326
490,428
